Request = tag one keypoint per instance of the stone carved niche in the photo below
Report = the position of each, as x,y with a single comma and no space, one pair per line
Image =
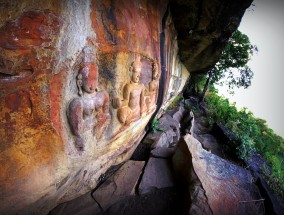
131,106
91,110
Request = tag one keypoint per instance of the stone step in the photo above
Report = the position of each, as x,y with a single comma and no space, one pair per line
157,174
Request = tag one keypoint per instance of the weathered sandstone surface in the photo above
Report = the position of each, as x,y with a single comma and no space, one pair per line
80,80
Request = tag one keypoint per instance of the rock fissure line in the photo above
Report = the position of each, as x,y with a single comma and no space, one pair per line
101,208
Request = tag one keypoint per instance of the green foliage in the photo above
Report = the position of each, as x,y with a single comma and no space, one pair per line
276,181
232,68
175,102
155,126
249,133
245,147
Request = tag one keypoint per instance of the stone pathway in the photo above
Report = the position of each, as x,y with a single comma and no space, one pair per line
143,185
164,178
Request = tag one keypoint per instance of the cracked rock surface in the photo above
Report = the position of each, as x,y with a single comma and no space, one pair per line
229,188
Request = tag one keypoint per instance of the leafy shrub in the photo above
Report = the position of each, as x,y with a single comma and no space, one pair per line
175,102
245,147
155,126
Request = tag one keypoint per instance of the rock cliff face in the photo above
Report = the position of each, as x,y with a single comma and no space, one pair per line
79,81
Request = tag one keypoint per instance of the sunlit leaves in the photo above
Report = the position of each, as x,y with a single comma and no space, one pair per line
232,65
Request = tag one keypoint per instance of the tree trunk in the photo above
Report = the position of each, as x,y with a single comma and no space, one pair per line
201,99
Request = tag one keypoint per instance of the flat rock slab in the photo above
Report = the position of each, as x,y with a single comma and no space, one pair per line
164,139
160,152
159,202
229,188
120,185
166,122
116,187
157,174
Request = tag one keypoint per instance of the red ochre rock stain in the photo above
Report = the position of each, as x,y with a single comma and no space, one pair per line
32,28
13,101
24,43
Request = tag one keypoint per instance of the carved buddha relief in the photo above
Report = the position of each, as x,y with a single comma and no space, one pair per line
153,88
91,110
131,106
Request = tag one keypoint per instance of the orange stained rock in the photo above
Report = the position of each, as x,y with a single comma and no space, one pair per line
33,28
127,25
26,48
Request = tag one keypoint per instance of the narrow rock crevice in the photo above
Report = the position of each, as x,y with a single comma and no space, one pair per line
99,205
140,178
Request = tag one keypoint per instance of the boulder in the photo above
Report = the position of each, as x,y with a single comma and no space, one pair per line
192,103
272,203
166,122
257,164
120,185
229,188
157,174
200,126
199,203
187,123
160,152
179,114
163,139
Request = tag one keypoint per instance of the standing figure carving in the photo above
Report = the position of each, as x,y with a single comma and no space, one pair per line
152,94
131,107
91,110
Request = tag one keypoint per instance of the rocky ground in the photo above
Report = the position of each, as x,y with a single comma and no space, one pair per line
178,170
